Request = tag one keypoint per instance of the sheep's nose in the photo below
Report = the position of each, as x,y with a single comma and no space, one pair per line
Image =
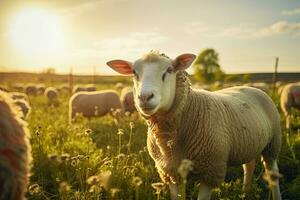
146,97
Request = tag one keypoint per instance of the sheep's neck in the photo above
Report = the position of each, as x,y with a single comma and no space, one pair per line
167,122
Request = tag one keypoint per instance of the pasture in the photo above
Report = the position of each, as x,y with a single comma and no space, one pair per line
105,158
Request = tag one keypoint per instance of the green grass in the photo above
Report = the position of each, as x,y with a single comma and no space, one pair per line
66,156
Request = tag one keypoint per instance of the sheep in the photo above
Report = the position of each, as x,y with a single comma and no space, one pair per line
290,98
40,89
18,87
127,100
52,95
64,88
24,107
31,89
15,151
214,130
90,88
93,104
18,95
78,88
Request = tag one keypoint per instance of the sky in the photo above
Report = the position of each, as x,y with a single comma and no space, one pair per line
85,34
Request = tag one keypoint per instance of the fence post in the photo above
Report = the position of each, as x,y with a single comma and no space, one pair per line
275,75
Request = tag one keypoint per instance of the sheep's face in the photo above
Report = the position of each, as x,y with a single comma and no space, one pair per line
154,80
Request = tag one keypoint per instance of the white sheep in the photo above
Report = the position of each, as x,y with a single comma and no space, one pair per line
290,98
212,129
51,94
31,89
78,88
127,100
93,104
15,151
40,89
24,107
90,88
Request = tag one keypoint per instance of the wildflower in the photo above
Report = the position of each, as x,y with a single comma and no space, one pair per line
272,177
92,180
64,187
121,156
74,162
131,125
185,167
120,131
114,191
34,189
88,131
137,181
108,147
65,156
158,187
104,178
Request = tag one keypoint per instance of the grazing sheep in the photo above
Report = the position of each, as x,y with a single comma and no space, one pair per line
212,129
24,107
31,90
18,95
119,85
52,95
64,88
15,151
18,87
127,100
78,88
40,89
90,88
290,98
93,104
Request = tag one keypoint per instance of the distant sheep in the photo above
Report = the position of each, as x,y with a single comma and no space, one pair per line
24,107
40,89
93,104
78,88
214,130
31,90
18,95
127,100
15,151
18,87
290,98
51,94
64,88
90,88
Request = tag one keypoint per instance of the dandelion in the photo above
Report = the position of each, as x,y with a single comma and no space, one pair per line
104,178
65,156
34,189
74,162
158,188
131,126
64,187
185,167
113,192
88,131
93,180
137,182
120,133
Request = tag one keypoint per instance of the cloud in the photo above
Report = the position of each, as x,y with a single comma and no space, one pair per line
80,8
277,28
295,11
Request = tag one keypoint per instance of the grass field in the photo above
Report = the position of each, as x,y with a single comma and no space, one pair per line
105,159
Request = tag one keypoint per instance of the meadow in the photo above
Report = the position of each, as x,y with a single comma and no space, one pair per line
103,158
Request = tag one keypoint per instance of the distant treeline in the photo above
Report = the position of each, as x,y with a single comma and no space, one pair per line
48,78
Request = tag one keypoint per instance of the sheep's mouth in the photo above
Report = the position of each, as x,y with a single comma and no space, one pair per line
149,110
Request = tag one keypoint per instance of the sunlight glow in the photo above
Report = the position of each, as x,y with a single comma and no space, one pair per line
37,32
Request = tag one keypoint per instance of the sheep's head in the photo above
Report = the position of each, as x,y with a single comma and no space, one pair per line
154,79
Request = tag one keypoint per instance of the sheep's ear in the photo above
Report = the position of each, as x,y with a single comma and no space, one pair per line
183,61
121,66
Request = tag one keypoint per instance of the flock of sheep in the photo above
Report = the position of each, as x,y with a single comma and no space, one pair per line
214,130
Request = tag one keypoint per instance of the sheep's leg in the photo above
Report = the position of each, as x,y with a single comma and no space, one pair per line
271,166
248,174
174,191
204,192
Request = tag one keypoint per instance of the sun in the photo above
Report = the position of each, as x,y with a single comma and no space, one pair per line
37,32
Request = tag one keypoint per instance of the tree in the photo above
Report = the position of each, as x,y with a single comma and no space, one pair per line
206,66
